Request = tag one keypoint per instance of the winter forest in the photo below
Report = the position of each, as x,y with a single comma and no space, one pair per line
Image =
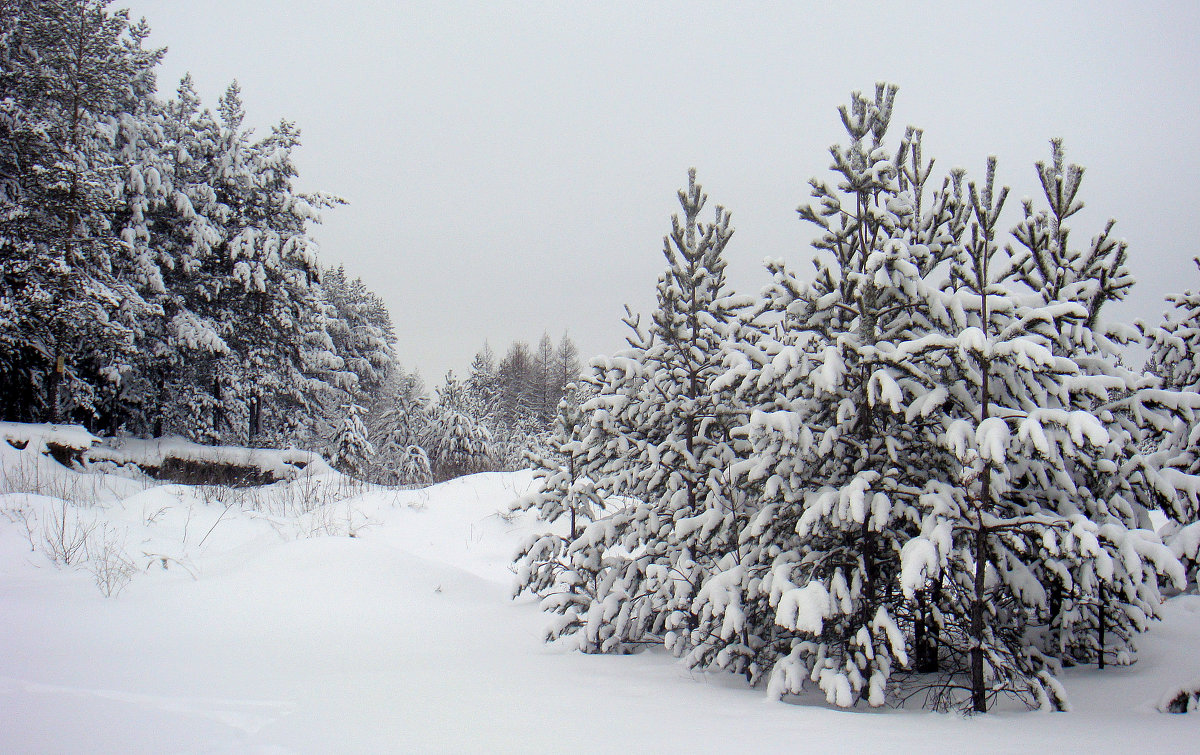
159,278
922,470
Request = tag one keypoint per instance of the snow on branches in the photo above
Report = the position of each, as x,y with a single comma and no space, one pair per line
922,468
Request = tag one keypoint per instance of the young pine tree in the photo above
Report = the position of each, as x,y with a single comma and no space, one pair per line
460,443
352,451
659,437
842,433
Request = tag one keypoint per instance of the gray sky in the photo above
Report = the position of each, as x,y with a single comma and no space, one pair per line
512,167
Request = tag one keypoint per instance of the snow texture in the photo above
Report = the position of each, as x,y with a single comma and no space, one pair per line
247,629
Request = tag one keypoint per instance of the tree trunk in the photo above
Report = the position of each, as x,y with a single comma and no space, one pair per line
52,384
920,643
571,470
978,692
1054,621
869,569
926,633
218,412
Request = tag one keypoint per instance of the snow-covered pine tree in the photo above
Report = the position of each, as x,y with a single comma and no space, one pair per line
1175,344
560,488
352,452
560,491
402,428
362,334
1135,410
285,365
1174,349
71,72
1175,358
482,384
460,443
178,381
842,431
659,437
1034,531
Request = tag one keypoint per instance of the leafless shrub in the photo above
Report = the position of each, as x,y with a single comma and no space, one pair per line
26,519
110,567
65,537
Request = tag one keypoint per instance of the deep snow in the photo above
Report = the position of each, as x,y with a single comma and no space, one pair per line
253,624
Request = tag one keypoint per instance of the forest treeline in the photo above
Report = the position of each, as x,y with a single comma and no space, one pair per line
919,471
157,275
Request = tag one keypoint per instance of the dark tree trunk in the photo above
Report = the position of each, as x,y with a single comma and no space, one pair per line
52,386
925,641
978,692
1055,619
218,411
869,572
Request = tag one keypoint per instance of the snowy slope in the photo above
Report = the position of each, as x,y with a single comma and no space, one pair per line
263,627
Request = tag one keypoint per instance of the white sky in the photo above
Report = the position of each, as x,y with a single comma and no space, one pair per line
512,167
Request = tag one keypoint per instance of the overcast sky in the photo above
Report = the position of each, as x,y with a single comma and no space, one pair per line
512,167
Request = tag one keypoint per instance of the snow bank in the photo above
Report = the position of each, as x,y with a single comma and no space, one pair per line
322,615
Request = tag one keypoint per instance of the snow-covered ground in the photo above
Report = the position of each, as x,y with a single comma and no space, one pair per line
320,616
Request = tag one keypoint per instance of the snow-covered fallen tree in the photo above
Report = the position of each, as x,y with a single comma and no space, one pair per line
179,460
173,458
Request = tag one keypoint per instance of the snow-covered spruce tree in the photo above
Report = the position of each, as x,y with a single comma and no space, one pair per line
660,439
843,428
1033,534
460,443
402,428
352,451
